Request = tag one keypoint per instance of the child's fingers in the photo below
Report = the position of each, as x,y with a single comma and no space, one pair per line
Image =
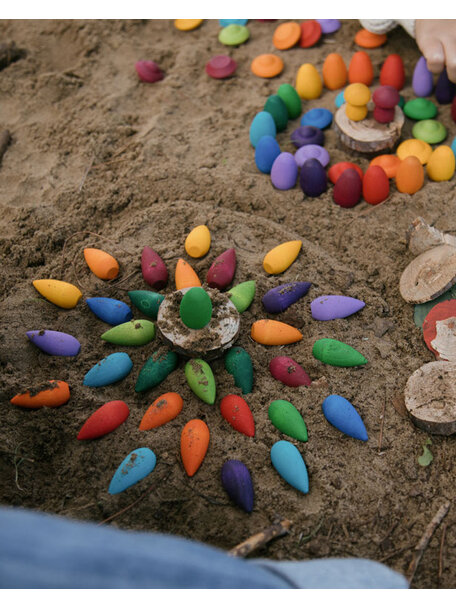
433,51
450,59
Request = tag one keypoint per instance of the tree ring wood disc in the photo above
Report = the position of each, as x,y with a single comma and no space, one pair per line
430,397
429,275
209,342
368,135
439,330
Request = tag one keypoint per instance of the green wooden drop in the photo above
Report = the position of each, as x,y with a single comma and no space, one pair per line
286,418
131,333
239,364
242,295
337,353
291,99
156,369
148,302
196,308
201,379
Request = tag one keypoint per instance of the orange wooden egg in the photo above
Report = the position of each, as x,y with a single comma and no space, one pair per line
163,409
102,264
392,72
369,40
194,444
410,175
336,170
361,69
375,185
185,276
388,162
334,72
57,393
269,331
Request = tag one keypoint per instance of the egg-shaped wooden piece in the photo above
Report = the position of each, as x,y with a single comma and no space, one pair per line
348,189
278,110
242,295
262,124
194,444
271,332
308,82
157,367
444,89
327,308
238,363
334,352
266,151
198,241
410,175
339,412
148,302
164,409
423,79
360,68
312,178
286,418
195,308
201,380
376,185
131,333
441,164
278,259
185,276
284,171
49,394
335,171
334,72
392,72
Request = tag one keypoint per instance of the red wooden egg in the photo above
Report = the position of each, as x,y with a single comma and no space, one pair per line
236,411
439,330
336,170
383,115
289,372
104,420
392,72
348,189
221,273
375,185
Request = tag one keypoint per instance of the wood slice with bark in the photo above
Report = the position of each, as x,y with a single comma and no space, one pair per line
422,236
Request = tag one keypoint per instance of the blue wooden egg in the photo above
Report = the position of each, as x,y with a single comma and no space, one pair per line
137,465
266,152
340,100
313,179
262,124
284,171
289,464
339,412
109,310
317,117
109,370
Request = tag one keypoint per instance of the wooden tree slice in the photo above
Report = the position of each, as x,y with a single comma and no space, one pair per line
429,275
430,397
421,237
439,330
368,135
207,343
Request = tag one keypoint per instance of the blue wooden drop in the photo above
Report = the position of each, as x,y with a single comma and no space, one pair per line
262,124
266,151
289,464
340,100
109,370
137,465
317,117
281,297
339,412
109,310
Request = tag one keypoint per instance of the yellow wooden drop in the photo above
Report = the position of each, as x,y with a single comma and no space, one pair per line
358,94
185,25
60,293
441,164
355,113
281,257
308,82
414,147
198,242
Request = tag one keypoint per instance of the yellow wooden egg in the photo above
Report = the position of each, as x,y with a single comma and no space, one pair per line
308,82
414,147
185,25
441,164
60,293
355,112
198,241
281,257
357,94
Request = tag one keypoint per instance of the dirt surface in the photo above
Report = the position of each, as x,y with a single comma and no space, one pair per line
94,149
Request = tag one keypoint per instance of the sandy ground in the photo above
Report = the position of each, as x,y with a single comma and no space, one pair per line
100,159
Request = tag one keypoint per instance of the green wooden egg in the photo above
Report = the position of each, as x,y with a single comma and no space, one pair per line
131,333
196,308
337,353
201,379
286,418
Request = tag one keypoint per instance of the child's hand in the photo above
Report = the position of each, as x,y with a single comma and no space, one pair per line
436,39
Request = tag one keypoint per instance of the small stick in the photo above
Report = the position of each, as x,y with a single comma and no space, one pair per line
256,541
442,542
5,139
424,540
86,173
382,417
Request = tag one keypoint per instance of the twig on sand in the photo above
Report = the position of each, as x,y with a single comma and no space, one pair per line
424,540
442,543
86,173
382,418
277,529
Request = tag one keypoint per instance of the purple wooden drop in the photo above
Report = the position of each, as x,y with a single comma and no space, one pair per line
306,135
289,372
311,151
281,297
444,89
327,308
55,342
221,273
284,171
153,268
237,482
423,80
313,179
148,71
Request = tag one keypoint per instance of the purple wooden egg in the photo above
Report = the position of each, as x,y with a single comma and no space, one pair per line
148,71
289,372
306,135
327,308
423,80
153,268
313,179
237,482
281,297
386,97
311,151
284,171
55,342
444,89
221,273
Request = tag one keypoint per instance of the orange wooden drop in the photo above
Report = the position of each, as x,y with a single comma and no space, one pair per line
336,170
388,162
369,40
194,444
361,69
410,175
334,72
185,276
375,185
102,264
268,331
57,394
163,409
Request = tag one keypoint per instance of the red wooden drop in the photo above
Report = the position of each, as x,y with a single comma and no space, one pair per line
348,188
104,420
375,185
153,268
336,170
236,411
289,372
221,273
392,72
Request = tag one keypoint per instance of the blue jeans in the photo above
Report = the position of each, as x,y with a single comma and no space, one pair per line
43,551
